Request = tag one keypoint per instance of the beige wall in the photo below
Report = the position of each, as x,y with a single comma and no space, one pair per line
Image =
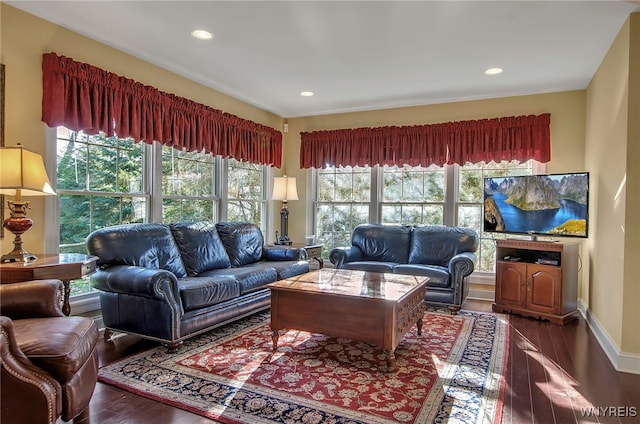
612,151
24,38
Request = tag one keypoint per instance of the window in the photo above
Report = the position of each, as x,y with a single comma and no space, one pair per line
412,195
450,195
100,182
343,202
188,186
246,200
104,181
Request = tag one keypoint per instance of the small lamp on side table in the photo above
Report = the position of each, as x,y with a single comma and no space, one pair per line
284,188
22,173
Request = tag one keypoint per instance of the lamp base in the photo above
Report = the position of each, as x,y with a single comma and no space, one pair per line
18,223
283,241
18,255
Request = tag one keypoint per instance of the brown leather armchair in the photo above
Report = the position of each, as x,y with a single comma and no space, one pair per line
49,360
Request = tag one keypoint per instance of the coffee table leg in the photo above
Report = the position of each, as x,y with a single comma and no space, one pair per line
274,336
391,358
419,324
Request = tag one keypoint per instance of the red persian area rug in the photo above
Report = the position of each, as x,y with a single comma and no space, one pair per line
453,372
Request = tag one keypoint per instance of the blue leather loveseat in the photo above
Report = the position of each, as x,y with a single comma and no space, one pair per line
444,254
168,282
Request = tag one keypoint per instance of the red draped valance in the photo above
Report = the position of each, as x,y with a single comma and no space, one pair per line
510,138
85,98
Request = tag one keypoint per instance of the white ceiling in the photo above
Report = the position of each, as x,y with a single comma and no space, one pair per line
359,55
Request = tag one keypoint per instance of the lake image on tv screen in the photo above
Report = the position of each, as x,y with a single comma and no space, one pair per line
538,204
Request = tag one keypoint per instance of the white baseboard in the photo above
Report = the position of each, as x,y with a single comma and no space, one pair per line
621,361
482,287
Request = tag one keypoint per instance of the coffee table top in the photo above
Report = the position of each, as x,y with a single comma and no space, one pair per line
353,283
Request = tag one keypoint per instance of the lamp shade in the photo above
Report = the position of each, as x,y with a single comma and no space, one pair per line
23,170
284,188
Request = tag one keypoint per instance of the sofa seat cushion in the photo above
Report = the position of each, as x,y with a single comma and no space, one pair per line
198,292
288,269
200,246
370,266
438,276
68,344
249,277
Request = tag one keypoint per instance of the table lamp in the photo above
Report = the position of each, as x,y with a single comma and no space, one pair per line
22,173
284,188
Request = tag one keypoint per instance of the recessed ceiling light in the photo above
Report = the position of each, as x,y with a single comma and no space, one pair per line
493,71
201,34
306,93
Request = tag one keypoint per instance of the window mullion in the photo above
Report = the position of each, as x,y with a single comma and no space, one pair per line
375,204
153,180
450,193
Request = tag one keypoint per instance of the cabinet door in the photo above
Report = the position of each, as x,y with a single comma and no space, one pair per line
543,288
510,283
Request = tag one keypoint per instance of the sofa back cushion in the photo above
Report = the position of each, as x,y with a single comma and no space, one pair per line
437,244
145,245
388,243
243,242
200,246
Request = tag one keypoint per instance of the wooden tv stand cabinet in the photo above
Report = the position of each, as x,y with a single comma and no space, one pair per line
537,279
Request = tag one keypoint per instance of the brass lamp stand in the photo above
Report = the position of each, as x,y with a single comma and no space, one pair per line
284,188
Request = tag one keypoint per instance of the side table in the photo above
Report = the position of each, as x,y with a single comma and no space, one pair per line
314,251
64,267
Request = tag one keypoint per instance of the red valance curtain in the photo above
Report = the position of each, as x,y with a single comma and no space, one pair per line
85,98
510,138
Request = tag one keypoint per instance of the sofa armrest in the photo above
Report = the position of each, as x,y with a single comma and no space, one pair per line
283,253
462,264
342,255
137,281
32,299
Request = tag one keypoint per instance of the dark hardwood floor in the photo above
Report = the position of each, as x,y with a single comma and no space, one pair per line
554,373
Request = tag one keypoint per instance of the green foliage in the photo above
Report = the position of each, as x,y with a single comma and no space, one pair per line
571,227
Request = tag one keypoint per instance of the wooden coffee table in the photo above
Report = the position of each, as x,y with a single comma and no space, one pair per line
368,307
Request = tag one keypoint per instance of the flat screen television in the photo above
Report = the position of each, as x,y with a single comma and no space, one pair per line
554,205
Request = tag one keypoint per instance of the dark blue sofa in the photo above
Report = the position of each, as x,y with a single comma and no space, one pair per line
444,254
168,282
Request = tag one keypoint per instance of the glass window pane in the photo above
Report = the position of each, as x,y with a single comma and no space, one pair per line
103,168
246,200
130,170
75,222
180,210
187,173
71,165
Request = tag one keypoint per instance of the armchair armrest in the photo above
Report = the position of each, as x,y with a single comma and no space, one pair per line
137,281
283,253
22,380
341,255
32,299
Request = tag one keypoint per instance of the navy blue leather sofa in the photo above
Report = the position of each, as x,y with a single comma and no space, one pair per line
168,282
444,254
